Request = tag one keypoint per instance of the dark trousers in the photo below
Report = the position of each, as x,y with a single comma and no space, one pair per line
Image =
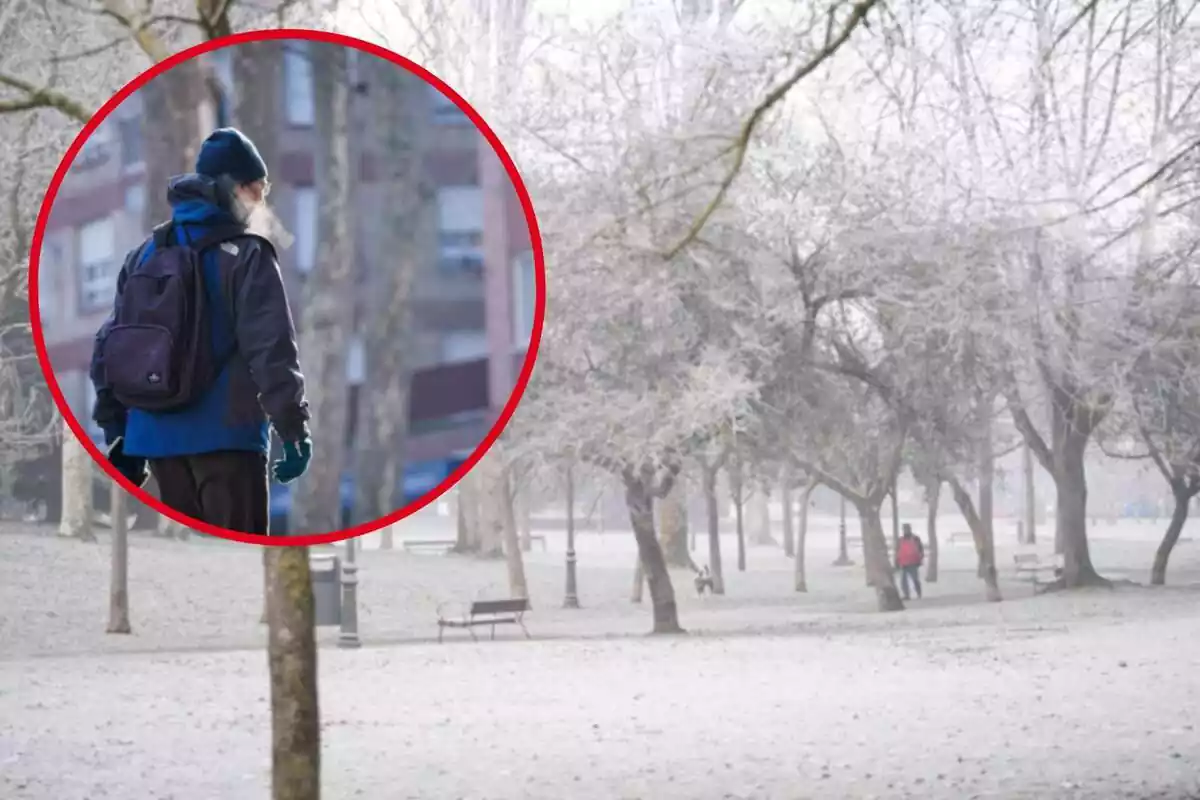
910,573
227,488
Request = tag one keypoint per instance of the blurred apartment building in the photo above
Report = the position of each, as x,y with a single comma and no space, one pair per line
473,300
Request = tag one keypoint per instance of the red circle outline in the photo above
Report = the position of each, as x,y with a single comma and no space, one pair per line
535,242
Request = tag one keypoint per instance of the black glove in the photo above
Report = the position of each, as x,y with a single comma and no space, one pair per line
133,468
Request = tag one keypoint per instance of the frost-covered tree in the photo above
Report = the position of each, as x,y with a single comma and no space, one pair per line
1157,417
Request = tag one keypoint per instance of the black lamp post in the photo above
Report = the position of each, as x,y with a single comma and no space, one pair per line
571,600
843,559
348,636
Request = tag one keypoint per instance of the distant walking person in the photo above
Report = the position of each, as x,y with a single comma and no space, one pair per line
910,555
198,359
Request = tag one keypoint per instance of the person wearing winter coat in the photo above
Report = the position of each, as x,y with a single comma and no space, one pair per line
910,555
199,360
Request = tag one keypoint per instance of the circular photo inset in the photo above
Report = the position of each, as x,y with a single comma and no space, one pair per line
287,288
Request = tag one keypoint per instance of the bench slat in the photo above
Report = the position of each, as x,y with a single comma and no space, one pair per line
477,621
515,606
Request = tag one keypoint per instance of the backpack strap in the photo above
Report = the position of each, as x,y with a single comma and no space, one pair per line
164,235
217,236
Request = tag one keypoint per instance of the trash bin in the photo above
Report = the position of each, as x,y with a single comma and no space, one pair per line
327,588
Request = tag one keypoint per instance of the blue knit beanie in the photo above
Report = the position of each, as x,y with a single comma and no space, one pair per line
228,151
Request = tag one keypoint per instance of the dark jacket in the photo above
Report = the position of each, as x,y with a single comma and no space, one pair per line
260,382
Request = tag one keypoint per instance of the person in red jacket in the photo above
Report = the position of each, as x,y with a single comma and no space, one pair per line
910,555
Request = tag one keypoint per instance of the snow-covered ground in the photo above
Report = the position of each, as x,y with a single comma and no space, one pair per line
773,695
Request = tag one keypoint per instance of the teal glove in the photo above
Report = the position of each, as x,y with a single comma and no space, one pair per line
294,463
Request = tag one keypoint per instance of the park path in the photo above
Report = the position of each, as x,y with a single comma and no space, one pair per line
1103,712
775,695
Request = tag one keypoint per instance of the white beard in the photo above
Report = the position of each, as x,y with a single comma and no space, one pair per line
261,220
264,222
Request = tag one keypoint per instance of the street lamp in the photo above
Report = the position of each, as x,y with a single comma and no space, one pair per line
348,637
843,559
572,596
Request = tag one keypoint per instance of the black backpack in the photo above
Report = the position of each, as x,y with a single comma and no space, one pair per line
157,352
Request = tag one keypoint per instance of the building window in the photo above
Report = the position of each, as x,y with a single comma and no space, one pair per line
97,264
298,85
130,131
460,229
445,112
524,298
135,200
459,346
304,226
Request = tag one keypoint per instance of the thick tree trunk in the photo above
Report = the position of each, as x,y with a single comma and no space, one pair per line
1070,481
405,202
267,572
985,540
662,595
879,572
487,514
981,534
118,598
894,494
785,500
1029,507
868,579
933,496
1183,498
292,657
258,75
737,493
713,514
473,536
524,523
177,108
327,318
464,541
515,560
378,454
800,581
761,524
639,581
77,513
673,527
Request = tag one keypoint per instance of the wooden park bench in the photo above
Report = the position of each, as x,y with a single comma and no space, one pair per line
956,538
485,612
540,539
413,545
1031,567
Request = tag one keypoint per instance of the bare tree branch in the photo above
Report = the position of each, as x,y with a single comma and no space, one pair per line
742,143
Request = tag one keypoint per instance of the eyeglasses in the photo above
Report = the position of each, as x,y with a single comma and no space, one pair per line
266,188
